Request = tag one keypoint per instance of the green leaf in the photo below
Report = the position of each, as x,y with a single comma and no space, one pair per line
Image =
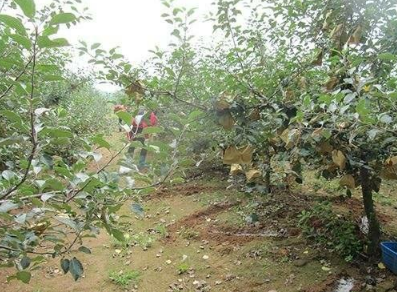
8,63
51,30
54,185
46,68
63,18
195,114
46,42
65,263
126,117
372,133
28,7
24,276
63,171
8,175
178,180
22,40
11,116
152,130
386,119
68,222
117,56
387,57
137,209
25,262
57,133
8,206
53,78
118,235
325,98
85,249
76,268
362,109
13,22
95,46
98,140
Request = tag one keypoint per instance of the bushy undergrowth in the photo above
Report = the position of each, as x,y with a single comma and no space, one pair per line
88,112
330,230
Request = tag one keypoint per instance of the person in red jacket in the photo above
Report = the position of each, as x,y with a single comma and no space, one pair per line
142,120
119,108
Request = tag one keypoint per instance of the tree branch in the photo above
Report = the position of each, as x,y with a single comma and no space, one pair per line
32,59
32,128
73,193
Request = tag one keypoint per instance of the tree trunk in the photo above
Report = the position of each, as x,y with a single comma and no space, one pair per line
374,228
267,180
268,171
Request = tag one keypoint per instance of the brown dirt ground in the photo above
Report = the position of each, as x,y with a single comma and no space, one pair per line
201,225
238,258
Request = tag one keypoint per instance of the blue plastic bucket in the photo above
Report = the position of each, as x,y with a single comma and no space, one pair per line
389,255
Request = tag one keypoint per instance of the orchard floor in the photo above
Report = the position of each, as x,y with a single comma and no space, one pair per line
195,237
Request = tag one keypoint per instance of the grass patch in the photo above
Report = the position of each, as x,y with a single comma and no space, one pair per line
331,230
189,234
143,239
183,268
124,278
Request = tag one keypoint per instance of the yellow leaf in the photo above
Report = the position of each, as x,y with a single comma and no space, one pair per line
339,159
221,105
235,169
284,136
325,148
137,87
332,168
39,228
381,266
231,155
290,137
347,181
326,269
356,36
317,133
302,82
389,170
331,83
242,155
289,94
246,154
319,59
255,115
327,20
252,174
138,98
227,121
337,32
392,161
224,101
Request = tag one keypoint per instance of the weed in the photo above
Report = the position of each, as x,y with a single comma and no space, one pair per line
143,240
188,233
162,230
383,199
183,268
123,244
321,224
124,278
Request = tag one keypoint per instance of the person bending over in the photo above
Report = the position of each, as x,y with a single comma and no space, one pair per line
142,120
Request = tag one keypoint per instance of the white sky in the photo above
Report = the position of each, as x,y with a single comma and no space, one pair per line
136,26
